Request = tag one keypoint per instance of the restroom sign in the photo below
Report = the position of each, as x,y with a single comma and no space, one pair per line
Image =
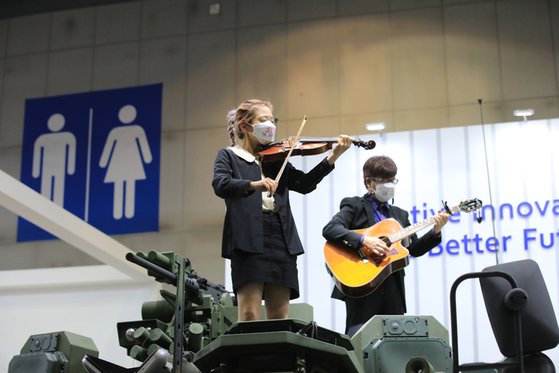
97,155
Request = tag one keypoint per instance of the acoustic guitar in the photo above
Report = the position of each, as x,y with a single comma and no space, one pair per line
356,276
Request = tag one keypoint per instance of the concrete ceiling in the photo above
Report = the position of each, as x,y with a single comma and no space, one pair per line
18,8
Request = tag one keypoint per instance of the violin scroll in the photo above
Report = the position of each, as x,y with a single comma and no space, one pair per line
367,145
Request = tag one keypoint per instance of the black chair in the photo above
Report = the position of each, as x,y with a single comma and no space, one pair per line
520,313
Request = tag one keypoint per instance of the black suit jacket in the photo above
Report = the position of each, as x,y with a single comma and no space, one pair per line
242,228
357,213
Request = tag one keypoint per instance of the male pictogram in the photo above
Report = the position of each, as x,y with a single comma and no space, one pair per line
54,156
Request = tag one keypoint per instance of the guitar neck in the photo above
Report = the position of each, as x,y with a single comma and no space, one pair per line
409,230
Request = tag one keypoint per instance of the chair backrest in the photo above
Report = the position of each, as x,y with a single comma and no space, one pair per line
535,363
540,331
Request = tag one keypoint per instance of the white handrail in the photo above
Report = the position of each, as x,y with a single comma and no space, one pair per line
27,203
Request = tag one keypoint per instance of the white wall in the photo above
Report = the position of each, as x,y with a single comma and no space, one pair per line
91,303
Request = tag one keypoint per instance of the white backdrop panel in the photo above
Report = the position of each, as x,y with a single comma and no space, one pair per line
511,167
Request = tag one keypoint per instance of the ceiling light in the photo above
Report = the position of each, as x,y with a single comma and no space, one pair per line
523,113
378,126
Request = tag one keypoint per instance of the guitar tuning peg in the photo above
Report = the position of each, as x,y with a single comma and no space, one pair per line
479,218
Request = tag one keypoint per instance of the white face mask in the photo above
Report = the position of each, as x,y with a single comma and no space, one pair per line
264,132
384,192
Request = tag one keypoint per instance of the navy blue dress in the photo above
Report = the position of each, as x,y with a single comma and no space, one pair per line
262,246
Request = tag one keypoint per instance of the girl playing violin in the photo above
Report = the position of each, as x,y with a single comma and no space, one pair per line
259,233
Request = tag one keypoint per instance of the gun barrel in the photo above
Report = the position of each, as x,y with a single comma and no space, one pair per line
161,272
190,283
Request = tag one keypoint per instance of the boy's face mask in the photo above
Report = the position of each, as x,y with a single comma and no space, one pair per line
384,192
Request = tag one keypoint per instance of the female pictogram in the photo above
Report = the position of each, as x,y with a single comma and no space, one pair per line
124,154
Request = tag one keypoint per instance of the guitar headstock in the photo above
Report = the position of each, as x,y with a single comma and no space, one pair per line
367,145
470,205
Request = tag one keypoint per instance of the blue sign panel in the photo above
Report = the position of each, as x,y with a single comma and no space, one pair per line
97,155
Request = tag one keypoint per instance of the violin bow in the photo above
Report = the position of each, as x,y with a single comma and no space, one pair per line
291,149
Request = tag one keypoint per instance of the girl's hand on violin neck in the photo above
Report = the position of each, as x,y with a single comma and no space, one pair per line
264,185
343,144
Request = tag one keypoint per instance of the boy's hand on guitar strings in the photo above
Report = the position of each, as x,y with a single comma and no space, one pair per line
374,247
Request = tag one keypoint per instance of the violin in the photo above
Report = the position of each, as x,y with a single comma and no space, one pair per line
276,151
